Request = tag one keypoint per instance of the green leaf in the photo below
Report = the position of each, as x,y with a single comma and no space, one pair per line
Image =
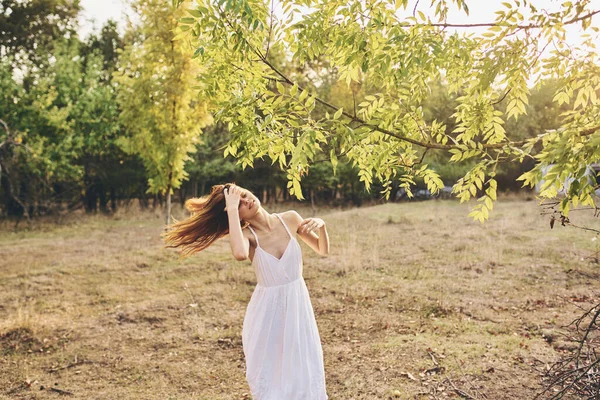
338,113
280,88
297,189
196,13
303,95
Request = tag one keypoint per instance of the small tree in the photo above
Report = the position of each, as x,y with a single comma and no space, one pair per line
162,117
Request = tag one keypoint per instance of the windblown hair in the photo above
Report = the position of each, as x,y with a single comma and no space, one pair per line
207,223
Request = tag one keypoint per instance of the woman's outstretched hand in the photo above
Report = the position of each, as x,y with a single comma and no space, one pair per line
232,197
311,225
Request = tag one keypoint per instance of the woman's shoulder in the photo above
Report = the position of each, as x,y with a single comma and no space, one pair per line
290,214
291,217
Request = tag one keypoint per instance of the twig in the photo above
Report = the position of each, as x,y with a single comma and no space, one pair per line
460,392
433,358
587,332
74,364
502,98
60,391
415,8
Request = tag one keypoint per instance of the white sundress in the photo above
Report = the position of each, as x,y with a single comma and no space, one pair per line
282,347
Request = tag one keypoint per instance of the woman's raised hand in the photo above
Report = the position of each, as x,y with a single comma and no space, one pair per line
311,225
232,197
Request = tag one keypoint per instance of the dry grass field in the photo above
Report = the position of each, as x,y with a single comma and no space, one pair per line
415,301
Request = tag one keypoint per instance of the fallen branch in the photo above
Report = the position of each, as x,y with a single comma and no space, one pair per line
579,371
74,364
60,391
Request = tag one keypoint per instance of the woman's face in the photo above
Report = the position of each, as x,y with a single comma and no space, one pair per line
249,204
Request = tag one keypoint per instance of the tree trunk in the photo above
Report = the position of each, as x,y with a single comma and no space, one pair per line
168,207
182,195
12,204
113,199
90,197
90,200
143,201
103,199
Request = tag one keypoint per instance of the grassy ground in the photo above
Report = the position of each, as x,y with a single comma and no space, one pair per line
416,301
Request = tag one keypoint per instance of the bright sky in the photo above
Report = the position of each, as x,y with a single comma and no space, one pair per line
97,12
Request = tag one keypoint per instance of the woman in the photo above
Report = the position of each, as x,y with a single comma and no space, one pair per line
281,342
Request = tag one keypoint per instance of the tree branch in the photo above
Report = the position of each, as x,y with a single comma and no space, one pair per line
490,24
502,98
387,132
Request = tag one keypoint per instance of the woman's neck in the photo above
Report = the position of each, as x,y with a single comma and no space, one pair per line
262,221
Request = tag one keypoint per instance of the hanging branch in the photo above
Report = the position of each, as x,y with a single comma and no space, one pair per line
425,144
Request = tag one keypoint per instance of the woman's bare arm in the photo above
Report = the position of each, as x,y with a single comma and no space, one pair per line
240,245
313,232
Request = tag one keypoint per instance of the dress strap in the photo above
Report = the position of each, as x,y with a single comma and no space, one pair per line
255,237
284,225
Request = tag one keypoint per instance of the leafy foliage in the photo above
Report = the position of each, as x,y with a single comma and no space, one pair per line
399,57
44,116
65,115
162,117
29,28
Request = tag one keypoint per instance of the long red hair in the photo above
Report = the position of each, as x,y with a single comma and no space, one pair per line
207,223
